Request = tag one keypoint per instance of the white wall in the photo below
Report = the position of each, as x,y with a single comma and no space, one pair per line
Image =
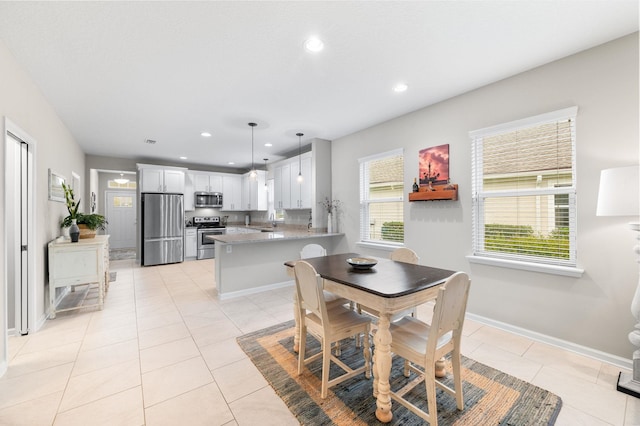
592,311
23,103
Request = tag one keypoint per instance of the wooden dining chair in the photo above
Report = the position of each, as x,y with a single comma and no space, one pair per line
404,254
312,250
316,250
421,345
328,326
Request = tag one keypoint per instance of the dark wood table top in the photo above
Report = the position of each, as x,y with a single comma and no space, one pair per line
387,279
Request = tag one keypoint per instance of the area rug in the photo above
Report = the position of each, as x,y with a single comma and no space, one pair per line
491,397
122,254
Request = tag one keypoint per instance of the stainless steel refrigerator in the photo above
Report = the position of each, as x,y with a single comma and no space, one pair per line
162,229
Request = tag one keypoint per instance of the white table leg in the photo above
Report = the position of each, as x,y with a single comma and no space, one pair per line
382,370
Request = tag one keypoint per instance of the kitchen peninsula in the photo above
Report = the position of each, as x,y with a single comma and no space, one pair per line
250,262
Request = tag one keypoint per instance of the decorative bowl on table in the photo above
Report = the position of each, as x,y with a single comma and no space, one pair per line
362,262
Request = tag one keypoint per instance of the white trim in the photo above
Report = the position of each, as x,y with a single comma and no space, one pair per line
233,294
379,246
560,114
392,153
553,341
566,271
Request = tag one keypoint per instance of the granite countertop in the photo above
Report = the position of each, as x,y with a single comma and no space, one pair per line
257,237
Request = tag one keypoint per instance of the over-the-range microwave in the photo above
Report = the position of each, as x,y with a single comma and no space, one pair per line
208,199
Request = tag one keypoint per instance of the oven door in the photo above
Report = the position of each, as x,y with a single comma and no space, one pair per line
207,246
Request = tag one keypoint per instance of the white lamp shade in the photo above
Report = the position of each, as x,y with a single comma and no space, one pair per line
618,193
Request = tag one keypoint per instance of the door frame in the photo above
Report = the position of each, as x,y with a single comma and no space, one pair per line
10,197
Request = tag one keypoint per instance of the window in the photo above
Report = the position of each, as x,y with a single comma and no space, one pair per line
524,190
381,198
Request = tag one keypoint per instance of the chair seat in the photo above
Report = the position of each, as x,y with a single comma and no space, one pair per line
342,321
411,335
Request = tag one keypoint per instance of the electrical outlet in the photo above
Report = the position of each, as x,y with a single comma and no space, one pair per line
229,248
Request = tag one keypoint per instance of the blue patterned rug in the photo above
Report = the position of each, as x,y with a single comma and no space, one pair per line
491,397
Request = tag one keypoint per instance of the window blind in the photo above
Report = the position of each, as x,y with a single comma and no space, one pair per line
381,198
524,189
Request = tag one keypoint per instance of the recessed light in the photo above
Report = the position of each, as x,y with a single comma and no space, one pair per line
313,44
183,158
205,134
268,144
231,163
400,87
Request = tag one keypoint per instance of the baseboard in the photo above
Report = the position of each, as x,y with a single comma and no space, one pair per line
553,341
255,290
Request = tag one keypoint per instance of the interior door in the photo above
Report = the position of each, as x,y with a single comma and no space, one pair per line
121,218
19,152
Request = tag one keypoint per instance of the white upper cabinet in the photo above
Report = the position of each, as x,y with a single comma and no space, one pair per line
289,193
282,186
161,179
254,192
189,199
207,182
301,191
232,192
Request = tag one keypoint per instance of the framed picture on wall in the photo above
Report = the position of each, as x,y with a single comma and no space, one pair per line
434,165
56,193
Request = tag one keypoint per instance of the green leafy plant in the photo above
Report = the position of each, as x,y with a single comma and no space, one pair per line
92,221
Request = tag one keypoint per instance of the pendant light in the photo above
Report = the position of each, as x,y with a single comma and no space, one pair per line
265,169
253,174
121,180
299,135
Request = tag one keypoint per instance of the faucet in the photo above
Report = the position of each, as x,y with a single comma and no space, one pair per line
272,218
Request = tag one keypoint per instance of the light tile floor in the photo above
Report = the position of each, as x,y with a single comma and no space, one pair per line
163,352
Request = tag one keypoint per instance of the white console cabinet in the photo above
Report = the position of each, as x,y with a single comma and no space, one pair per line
83,263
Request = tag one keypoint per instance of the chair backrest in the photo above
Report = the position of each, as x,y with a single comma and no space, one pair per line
405,255
312,250
448,313
309,289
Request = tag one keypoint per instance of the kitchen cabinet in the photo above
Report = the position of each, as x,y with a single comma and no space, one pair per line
254,193
207,182
85,262
301,191
232,192
190,242
288,192
282,186
189,199
162,179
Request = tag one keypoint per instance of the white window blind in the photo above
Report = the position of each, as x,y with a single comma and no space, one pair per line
381,198
524,189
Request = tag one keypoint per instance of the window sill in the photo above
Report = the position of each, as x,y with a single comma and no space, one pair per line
528,266
379,246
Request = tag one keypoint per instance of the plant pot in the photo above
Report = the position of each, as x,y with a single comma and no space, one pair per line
86,232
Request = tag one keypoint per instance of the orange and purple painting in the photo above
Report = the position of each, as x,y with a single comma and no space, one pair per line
434,165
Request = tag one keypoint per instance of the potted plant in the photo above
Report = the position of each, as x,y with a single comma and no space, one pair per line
90,223
71,220
80,225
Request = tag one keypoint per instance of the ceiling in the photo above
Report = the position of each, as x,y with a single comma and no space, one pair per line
119,73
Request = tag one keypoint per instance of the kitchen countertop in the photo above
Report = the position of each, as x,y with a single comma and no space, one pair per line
257,237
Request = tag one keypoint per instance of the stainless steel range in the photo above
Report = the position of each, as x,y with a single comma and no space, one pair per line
207,226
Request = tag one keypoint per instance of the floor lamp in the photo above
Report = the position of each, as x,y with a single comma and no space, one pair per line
618,196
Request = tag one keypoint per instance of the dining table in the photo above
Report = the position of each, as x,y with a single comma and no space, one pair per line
388,287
